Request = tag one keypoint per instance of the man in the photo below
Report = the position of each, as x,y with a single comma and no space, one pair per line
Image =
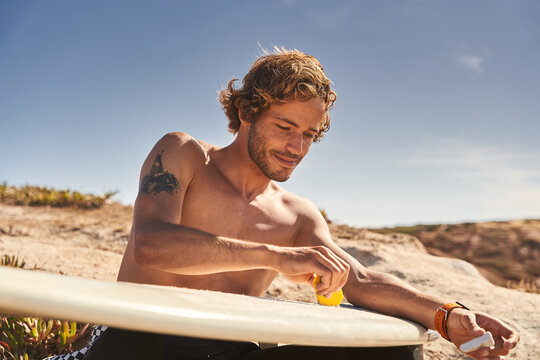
215,218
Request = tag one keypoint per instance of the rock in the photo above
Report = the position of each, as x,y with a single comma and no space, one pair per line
90,243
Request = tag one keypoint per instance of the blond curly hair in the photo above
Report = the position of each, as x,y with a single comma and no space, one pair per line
278,77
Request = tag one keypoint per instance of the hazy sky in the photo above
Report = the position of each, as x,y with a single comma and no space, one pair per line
437,117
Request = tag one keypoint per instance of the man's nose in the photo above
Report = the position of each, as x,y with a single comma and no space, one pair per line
295,144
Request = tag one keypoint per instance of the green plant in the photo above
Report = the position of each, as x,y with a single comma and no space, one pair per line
26,338
34,338
325,216
11,261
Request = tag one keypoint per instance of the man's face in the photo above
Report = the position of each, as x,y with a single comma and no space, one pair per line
282,136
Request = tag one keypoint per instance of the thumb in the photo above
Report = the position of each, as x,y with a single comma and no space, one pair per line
469,323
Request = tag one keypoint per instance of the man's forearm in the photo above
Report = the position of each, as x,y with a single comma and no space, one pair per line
187,251
389,295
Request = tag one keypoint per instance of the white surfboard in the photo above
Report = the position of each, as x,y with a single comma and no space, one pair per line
200,313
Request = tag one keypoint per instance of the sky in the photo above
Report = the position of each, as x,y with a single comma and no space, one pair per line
437,118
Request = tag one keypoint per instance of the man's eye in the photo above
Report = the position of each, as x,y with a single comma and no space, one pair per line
283,127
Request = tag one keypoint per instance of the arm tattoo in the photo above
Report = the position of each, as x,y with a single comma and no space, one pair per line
158,180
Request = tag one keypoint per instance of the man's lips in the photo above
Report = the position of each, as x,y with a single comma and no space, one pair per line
286,161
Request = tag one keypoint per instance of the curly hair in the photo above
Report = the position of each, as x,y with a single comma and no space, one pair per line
279,77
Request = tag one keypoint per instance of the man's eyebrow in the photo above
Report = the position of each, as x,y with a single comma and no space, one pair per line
292,123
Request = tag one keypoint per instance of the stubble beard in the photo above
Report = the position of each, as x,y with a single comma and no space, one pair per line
258,152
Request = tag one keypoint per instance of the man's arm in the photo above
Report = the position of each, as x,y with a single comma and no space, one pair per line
162,243
159,239
368,288
389,295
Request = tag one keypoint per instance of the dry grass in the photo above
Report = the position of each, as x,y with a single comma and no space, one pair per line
42,196
523,285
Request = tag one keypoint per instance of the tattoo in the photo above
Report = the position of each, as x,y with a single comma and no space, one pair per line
158,180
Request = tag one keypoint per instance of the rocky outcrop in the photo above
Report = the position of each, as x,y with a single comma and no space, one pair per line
90,243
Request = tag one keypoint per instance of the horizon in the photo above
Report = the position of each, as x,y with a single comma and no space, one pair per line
436,120
112,199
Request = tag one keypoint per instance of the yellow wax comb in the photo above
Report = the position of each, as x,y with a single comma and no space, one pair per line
334,300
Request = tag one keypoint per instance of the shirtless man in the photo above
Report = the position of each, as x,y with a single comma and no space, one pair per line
215,218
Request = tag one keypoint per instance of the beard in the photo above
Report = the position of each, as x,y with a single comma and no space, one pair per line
259,153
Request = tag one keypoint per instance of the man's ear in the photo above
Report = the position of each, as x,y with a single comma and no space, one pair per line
242,118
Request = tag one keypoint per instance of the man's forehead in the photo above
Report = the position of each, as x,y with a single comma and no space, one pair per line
311,110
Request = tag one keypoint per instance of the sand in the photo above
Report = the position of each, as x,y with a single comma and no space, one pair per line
90,243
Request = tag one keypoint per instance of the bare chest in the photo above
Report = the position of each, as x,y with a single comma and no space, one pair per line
211,204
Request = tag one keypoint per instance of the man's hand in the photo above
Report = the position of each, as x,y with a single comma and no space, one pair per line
464,325
298,264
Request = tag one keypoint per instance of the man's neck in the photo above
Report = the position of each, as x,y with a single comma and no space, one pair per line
242,173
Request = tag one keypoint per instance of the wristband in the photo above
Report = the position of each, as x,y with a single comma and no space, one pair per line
441,317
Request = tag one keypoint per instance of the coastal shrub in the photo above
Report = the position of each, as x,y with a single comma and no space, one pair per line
23,338
325,216
28,338
42,196
523,285
11,261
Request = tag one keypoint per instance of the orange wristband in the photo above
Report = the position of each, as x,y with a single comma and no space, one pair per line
441,317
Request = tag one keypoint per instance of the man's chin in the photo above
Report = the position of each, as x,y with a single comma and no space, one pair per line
281,176
281,179
277,173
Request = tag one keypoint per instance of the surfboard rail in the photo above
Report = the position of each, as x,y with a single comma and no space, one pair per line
200,313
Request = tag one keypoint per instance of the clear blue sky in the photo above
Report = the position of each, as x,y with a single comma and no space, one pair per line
437,118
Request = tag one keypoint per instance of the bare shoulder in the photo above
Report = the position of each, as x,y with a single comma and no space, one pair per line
312,227
177,154
306,211
182,145
166,174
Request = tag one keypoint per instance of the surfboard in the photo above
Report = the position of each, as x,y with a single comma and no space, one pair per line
200,313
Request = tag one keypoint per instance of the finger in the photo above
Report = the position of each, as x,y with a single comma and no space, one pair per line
324,287
344,268
339,278
512,341
502,346
509,337
481,353
496,326
496,350
468,321
329,285
508,332
344,277
302,278
326,269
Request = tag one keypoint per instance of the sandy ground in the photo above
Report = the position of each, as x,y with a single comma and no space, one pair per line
90,244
